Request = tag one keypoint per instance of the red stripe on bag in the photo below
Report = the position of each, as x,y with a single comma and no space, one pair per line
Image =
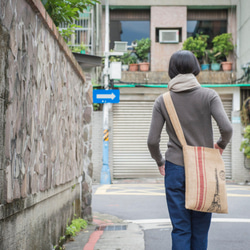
198,179
201,177
205,178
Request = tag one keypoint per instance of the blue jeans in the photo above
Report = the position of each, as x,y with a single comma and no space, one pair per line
190,228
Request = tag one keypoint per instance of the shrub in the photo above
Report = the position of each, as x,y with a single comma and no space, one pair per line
197,45
245,144
142,49
223,44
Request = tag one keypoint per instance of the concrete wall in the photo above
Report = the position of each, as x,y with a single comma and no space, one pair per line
45,130
166,17
241,166
232,28
97,145
243,27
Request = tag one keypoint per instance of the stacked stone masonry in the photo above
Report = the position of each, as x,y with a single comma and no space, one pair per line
45,126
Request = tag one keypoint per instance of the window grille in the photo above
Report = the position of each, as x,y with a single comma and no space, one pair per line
84,34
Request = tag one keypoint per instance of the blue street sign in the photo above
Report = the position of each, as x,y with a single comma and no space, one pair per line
106,96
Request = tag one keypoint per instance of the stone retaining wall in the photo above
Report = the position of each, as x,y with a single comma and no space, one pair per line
155,77
45,130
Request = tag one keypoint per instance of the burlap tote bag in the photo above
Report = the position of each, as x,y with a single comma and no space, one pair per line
204,171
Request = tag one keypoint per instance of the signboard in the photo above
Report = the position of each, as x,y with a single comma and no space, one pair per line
106,96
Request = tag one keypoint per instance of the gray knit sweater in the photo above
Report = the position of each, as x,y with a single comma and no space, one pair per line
195,109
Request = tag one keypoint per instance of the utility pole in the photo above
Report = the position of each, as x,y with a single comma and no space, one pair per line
105,172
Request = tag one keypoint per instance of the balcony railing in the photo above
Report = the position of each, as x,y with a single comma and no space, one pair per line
84,33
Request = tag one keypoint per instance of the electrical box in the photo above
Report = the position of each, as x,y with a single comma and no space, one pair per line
115,70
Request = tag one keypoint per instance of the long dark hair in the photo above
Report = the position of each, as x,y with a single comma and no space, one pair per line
183,62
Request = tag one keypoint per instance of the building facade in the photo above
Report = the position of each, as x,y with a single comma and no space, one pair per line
130,21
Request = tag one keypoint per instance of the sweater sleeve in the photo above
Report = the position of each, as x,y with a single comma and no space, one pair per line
154,136
222,121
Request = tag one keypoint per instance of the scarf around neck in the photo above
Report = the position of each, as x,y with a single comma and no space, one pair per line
183,82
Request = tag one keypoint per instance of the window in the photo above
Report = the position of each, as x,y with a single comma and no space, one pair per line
83,35
207,22
211,28
128,31
129,25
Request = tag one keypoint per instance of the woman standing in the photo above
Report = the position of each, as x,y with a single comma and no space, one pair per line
195,107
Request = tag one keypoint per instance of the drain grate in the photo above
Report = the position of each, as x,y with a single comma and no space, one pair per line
111,228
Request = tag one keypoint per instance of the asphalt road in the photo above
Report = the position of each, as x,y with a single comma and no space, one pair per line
143,202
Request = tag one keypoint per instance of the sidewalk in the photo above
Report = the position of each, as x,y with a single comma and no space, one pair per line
108,232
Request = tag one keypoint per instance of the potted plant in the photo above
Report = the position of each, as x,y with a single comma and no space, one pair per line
205,60
83,49
133,65
215,61
223,44
125,58
77,48
142,51
198,45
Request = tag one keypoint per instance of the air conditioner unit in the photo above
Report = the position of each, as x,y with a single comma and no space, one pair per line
169,36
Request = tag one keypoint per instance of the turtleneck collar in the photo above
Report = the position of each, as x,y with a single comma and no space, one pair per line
183,82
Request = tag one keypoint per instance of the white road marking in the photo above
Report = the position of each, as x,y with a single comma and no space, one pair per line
147,224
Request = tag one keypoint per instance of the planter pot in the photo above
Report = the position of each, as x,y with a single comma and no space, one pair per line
204,66
227,66
124,67
144,66
133,67
215,66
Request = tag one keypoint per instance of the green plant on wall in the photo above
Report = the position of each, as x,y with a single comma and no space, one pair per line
66,11
245,144
245,119
245,112
76,226
96,106
197,45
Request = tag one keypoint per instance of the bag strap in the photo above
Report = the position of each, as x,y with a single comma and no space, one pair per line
174,118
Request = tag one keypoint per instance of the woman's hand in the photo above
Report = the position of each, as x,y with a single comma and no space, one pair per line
162,170
217,147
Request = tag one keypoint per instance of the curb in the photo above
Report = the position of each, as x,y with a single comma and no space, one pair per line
108,232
